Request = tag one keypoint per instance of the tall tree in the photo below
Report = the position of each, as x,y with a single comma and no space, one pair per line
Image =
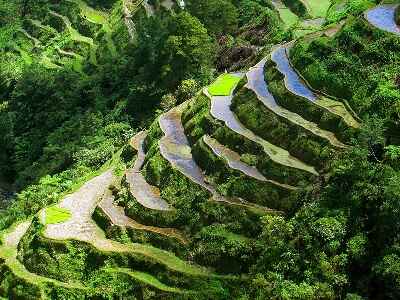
219,16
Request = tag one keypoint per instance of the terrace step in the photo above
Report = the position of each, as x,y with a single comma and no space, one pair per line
76,36
117,216
317,8
97,17
147,279
257,84
295,84
81,227
144,193
383,17
234,161
220,110
35,41
285,14
69,53
9,251
175,148
40,25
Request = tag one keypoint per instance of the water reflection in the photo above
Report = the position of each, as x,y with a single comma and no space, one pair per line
383,17
292,80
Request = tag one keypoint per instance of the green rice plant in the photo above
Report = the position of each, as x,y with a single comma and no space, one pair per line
224,85
55,214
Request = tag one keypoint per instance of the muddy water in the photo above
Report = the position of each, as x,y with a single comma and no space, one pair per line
144,193
234,162
175,148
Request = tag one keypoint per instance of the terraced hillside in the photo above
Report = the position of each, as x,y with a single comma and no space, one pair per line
70,33
221,196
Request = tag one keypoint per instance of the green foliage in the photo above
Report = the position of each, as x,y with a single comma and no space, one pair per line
389,270
224,85
197,121
186,90
233,183
298,7
56,214
305,108
349,67
62,118
46,192
392,156
181,43
219,247
6,140
356,246
280,131
352,7
14,287
260,22
219,17
168,102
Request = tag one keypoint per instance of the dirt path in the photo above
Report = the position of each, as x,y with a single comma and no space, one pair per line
36,42
69,53
149,8
46,28
129,8
76,36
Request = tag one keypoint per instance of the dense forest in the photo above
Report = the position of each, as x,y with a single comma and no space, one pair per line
200,149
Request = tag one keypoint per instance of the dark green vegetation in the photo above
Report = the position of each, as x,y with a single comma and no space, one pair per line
298,7
397,15
299,142
75,87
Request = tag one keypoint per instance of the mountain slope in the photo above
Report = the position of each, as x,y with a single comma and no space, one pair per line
142,173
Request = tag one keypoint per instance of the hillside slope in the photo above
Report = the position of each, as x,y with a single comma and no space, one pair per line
199,150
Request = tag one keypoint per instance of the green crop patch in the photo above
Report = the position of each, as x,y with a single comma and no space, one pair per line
55,214
288,18
224,85
91,14
318,8
147,279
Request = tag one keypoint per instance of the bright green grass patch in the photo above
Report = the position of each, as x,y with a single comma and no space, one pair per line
288,17
91,14
224,85
55,214
319,8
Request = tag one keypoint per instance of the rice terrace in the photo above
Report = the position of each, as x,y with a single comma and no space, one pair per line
200,149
